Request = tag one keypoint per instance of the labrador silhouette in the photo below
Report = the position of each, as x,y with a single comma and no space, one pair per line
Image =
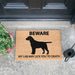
37,44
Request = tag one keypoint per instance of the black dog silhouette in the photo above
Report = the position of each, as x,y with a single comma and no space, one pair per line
35,44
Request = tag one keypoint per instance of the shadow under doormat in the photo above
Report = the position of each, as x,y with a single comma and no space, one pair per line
38,45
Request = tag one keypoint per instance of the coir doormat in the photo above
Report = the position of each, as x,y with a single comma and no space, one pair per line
38,45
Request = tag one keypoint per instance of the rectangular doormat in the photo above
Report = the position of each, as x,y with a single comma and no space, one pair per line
38,45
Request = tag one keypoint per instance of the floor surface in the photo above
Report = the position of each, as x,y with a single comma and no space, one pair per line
9,66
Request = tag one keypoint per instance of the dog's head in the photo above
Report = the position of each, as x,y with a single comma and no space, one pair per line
29,38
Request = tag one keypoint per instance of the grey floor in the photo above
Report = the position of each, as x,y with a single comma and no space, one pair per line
9,66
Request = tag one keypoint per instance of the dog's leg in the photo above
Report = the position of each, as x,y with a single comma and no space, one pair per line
47,49
43,51
33,51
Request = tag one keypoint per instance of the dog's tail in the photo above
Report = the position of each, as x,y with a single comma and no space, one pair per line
48,42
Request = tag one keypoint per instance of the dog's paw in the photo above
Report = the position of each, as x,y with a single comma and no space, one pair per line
32,53
47,52
43,52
